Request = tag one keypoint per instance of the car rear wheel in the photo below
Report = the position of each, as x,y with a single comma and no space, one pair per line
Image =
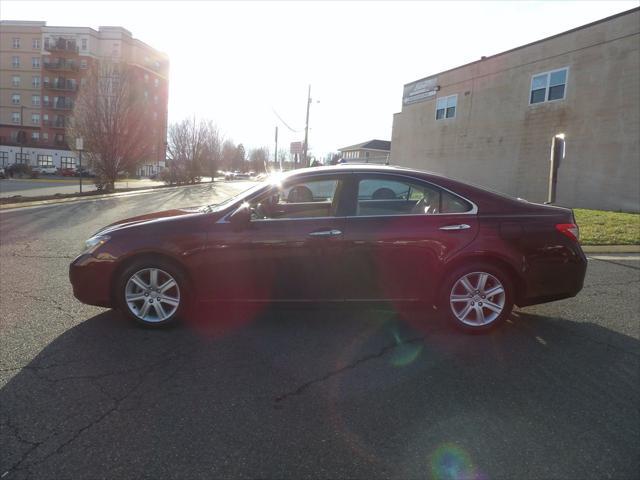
478,297
152,294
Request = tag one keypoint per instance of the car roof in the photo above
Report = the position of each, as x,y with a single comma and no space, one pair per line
359,167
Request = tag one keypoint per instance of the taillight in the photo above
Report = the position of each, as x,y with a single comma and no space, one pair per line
570,230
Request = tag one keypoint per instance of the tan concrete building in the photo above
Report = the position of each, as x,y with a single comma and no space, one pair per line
41,71
492,122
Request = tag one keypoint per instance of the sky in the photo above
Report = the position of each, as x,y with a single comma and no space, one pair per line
237,63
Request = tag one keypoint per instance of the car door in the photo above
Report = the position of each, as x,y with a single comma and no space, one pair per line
289,251
399,231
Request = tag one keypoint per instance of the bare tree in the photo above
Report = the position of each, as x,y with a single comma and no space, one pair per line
212,153
259,159
239,158
194,149
111,116
228,154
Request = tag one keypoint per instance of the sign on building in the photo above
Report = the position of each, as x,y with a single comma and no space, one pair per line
420,91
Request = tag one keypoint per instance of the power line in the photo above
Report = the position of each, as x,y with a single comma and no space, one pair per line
285,123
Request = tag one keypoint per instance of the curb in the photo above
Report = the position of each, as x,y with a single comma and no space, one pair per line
611,248
85,198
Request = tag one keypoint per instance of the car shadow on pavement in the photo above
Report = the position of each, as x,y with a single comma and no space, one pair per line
336,392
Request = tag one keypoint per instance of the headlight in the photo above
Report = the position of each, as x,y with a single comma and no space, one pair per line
95,242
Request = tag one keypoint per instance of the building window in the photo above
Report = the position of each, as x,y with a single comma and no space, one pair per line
35,81
36,44
83,64
156,82
35,100
59,139
45,136
15,99
35,62
45,100
15,117
22,158
446,107
45,160
83,44
548,86
68,162
4,159
35,118
146,77
16,43
15,80
15,61
35,136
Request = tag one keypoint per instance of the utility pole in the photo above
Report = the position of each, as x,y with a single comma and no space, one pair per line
306,132
275,155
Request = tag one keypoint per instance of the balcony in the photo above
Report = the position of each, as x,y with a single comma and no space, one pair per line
55,123
59,105
61,65
61,45
67,86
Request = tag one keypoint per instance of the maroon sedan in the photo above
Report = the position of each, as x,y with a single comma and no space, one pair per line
350,233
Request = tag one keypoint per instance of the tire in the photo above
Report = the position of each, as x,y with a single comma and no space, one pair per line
139,296
482,311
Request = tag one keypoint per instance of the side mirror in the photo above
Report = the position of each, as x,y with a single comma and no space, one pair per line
241,217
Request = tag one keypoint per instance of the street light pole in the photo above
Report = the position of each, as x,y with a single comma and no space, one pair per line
275,155
306,131
80,147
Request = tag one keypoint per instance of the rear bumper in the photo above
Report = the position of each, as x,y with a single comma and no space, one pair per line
554,277
91,278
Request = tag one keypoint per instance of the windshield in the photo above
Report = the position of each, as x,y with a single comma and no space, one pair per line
216,207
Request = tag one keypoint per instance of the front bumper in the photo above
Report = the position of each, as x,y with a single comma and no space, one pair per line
91,279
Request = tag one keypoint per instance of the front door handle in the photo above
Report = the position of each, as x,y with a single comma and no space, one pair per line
461,226
326,233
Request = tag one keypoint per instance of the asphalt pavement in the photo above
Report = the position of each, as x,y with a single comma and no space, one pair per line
316,393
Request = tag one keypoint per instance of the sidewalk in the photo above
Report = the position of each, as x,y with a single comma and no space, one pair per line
38,187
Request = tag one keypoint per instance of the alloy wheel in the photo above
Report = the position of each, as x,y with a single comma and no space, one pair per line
152,295
477,298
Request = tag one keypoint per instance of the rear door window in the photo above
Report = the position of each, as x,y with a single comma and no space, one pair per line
383,196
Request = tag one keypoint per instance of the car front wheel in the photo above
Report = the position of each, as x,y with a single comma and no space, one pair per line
153,295
478,298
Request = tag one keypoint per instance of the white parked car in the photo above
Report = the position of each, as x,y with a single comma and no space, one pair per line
45,170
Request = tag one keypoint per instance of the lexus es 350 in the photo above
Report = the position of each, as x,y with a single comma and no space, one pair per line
349,233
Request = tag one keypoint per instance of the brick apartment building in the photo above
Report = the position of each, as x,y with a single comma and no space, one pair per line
41,70
493,122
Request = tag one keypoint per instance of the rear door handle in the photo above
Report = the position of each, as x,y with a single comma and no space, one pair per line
326,233
461,226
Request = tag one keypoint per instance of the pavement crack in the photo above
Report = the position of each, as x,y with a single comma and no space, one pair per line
382,352
164,359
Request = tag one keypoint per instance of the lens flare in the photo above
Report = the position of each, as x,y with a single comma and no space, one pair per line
450,462
405,353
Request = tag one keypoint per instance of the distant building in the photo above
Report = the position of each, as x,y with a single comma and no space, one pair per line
373,151
492,122
41,71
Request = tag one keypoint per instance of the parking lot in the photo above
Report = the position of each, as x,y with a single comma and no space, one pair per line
287,393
